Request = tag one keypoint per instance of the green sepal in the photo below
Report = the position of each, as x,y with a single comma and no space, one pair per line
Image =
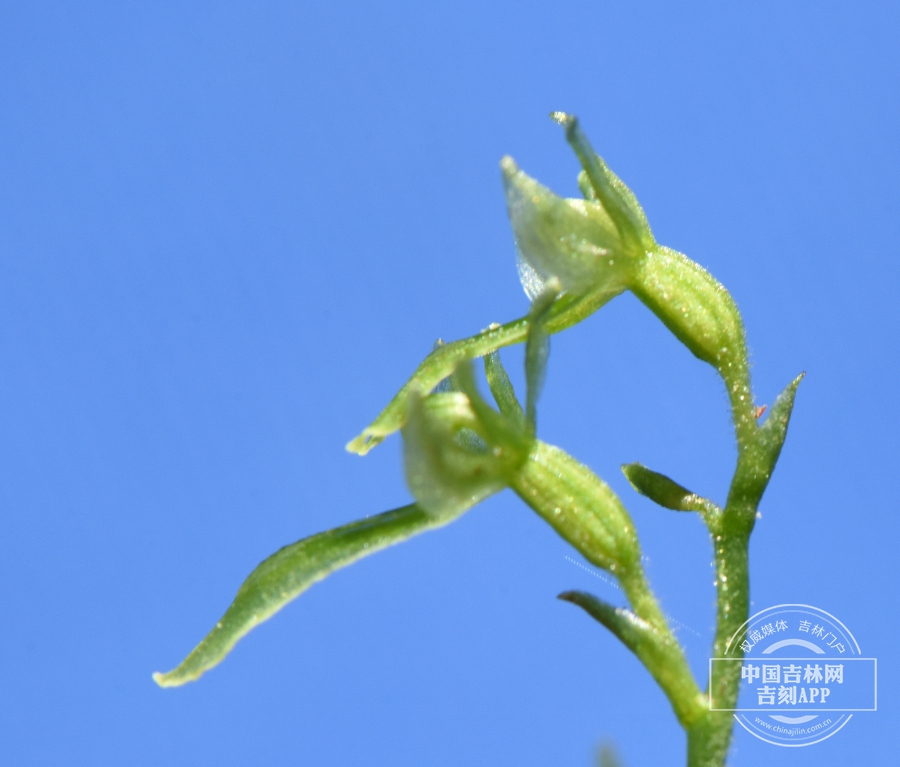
608,189
573,240
664,491
291,571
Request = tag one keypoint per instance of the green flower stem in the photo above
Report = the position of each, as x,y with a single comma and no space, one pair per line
566,312
710,737
703,316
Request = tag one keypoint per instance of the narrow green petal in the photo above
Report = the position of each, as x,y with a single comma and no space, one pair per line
289,572
612,193
494,427
537,349
502,389
568,311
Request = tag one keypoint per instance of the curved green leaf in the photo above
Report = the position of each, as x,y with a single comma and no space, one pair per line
290,571
658,650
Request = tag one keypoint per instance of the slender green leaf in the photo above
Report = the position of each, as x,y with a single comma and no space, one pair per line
289,572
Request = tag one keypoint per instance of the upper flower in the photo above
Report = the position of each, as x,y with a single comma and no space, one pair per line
590,245
573,240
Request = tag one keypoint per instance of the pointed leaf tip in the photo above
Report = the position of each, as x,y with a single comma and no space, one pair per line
363,443
773,431
631,630
291,571
755,469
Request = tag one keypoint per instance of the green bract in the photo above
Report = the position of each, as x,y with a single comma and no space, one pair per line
574,256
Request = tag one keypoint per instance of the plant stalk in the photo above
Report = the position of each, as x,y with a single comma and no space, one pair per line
710,736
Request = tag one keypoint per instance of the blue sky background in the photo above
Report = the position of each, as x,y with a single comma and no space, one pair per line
228,233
